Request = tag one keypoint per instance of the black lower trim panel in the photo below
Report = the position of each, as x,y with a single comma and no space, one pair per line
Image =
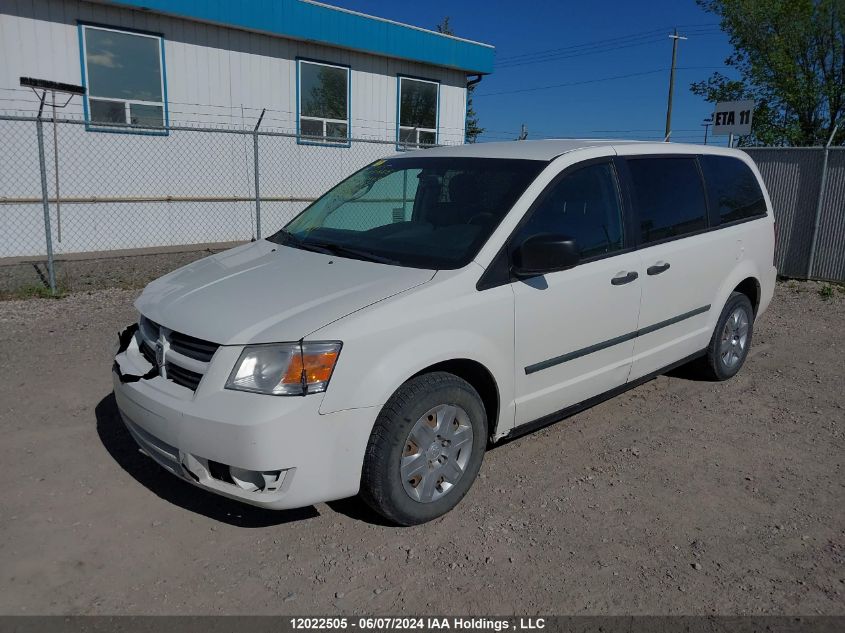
557,416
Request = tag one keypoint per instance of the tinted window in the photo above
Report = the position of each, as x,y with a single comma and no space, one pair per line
732,188
670,197
584,205
416,211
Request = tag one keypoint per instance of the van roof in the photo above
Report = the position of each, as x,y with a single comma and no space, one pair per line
549,149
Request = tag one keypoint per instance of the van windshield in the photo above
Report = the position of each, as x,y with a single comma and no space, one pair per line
433,213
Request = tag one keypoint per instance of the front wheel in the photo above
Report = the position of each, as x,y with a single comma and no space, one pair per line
425,449
731,339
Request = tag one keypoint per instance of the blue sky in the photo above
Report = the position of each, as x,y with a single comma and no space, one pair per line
632,107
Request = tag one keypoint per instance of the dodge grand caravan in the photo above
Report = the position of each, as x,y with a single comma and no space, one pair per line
436,302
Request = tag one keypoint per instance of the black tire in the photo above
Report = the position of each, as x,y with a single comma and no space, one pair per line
382,486
714,366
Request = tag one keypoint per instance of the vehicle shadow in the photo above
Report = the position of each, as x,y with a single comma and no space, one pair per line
125,452
354,508
689,371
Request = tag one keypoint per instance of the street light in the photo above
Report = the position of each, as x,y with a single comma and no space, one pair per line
707,123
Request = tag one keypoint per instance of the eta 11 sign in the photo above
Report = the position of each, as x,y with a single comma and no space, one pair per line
733,117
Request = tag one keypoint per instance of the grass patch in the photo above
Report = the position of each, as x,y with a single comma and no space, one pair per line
826,291
34,292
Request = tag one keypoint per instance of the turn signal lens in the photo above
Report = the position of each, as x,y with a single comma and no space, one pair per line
285,369
317,365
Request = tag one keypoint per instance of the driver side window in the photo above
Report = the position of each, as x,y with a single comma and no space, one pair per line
584,205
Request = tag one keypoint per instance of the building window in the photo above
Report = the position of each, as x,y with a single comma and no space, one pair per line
124,75
323,103
418,104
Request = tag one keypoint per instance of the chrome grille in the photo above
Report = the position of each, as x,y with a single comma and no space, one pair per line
182,349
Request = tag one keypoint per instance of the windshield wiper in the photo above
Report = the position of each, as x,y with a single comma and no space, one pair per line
283,236
289,239
339,249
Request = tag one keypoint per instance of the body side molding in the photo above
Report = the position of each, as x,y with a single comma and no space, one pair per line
557,360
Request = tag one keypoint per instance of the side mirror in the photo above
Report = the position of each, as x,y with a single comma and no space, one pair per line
545,253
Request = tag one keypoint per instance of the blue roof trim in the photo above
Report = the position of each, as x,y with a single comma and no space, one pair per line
329,25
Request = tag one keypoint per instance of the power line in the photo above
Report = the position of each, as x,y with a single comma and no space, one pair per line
584,53
592,81
597,51
548,51
705,26
577,50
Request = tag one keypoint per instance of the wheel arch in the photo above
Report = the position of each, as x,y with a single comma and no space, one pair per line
481,379
750,287
745,277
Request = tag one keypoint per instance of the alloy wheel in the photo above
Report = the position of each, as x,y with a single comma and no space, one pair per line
734,338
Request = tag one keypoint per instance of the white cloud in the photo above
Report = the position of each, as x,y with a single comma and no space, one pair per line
106,59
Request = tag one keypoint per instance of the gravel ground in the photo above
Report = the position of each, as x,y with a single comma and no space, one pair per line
677,497
80,273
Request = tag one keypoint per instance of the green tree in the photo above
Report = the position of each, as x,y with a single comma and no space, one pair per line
472,130
790,55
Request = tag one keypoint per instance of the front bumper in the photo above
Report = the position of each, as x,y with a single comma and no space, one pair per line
192,433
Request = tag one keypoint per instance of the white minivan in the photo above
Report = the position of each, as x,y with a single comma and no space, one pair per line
439,301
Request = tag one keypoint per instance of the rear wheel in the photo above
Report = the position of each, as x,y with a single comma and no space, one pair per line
425,449
731,339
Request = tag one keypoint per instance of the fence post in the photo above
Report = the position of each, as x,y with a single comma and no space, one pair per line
45,202
811,261
255,166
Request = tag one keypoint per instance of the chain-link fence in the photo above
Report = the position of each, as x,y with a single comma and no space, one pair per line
68,188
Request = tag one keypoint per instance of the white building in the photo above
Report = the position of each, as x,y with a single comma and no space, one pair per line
329,77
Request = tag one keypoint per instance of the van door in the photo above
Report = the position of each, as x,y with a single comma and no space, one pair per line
575,328
684,264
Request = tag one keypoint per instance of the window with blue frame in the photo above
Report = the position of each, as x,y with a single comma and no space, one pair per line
418,103
323,102
124,76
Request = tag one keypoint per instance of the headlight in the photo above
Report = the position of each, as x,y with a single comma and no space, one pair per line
285,369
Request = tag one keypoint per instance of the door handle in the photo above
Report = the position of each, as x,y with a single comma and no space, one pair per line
659,267
624,278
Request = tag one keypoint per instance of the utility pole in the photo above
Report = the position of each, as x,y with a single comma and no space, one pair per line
674,37
707,123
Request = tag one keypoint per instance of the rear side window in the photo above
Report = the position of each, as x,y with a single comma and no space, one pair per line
732,188
584,205
670,197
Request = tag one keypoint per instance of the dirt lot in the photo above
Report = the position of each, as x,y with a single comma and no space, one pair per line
22,277
677,497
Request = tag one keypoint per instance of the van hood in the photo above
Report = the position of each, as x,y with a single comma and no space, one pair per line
268,293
